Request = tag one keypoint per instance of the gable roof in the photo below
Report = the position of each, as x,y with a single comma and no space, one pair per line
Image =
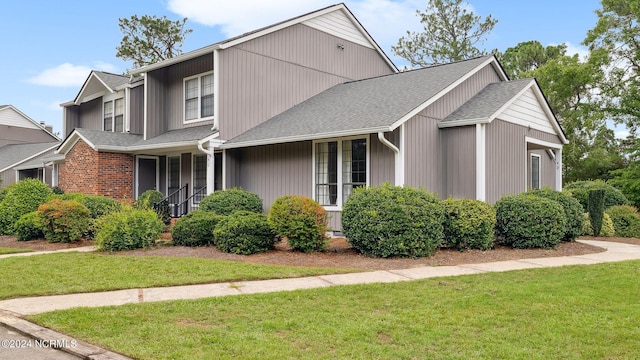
10,115
364,106
99,82
122,142
16,154
494,99
358,35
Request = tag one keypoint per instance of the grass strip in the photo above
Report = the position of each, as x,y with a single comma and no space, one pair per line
72,272
5,250
572,312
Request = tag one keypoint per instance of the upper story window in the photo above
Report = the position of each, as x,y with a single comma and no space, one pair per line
198,97
340,167
113,115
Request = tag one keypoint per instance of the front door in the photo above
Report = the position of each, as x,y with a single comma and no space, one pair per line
147,174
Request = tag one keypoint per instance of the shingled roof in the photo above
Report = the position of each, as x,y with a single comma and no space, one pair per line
364,106
16,154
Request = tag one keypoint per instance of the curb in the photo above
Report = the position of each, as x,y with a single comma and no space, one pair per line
66,343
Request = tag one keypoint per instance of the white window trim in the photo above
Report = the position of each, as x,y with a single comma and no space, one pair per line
179,156
532,155
111,98
338,206
184,98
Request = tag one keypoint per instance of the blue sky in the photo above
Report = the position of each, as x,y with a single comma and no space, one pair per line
49,47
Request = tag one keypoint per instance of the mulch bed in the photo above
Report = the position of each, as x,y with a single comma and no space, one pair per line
340,254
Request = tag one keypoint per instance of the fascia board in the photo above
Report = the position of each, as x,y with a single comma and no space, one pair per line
290,139
450,124
176,59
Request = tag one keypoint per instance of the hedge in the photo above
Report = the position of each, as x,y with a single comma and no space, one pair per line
580,191
301,220
607,229
63,220
528,221
226,202
626,220
386,221
26,228
22,197
244,233
468,224
195,229
128,229
573,211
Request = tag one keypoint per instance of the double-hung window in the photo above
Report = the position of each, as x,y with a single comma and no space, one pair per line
340,167
113,115
198,97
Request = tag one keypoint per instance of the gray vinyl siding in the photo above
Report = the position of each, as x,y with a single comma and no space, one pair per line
272,171
87,115
507,159
459,159
136,108
8,177
265,76
382,159
19,135
427,152
165,95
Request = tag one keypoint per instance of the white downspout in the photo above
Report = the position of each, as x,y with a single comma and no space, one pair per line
399,170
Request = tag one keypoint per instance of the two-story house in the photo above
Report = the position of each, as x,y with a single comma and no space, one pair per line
25,147
309,106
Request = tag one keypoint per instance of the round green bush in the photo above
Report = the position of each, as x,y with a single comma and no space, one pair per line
386,221
527,221
63,220
468,224
607,229
573,211
128,229
23,197
226,202
301,220
580,191
152,200
26,228
244,233
195,229
98,206
626,220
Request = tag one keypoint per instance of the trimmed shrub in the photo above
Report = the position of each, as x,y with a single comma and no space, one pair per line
607,230
385,221
128,229
195,229
580,191
527,221
226,202
244,233
152,200
23,197
626,220
27,228
301,220
573,211
468,224
63,220
596,209
98,206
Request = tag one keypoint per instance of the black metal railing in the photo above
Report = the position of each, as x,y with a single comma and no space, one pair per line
179,202
192,200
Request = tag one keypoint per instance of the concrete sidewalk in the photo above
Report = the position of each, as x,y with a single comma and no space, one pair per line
11,310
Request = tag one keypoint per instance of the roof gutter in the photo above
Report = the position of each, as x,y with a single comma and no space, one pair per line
398,155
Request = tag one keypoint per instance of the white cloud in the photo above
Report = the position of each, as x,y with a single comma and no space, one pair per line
582,51
237,17
68,75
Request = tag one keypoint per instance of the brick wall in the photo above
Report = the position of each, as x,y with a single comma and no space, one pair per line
100,173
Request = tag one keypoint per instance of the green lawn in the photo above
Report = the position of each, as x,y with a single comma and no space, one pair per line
577,312
65,273
5,250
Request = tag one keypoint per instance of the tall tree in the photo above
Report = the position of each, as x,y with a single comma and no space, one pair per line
149,39
451,33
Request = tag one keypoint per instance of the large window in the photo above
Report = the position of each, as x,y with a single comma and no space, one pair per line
198,97
535,171
113,115
340,167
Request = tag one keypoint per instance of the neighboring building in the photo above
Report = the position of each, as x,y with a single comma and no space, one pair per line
309,106
23,145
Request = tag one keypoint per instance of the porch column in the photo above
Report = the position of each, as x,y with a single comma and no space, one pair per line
558,169
481,163
210,169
